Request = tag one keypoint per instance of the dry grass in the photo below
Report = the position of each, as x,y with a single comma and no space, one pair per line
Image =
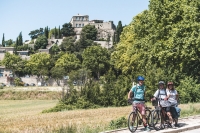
25,116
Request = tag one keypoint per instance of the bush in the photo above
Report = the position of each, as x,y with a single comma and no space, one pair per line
119,123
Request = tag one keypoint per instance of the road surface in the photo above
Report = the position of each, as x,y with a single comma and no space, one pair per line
186,124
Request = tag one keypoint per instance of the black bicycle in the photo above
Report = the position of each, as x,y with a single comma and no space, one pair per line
135,119
160,119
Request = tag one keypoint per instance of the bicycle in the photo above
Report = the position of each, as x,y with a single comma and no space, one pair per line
160,119
135,119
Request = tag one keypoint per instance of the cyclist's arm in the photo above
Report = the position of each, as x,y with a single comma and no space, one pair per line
130,94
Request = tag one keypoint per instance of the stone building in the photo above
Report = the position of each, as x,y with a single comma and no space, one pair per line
105,29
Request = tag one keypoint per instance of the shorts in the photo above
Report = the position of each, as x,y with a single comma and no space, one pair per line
140,106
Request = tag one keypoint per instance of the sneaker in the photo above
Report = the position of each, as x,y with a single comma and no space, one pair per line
147,129
173,126
131,128
162,126
176,125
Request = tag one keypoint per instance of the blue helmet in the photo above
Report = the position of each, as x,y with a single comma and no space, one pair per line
140,78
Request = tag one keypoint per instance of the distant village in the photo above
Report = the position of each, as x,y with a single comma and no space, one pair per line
105,30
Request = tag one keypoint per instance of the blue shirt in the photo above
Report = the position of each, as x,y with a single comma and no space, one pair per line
138,93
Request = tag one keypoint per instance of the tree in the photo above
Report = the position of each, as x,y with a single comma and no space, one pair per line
59,33
96,59
35,33
68,44
46,32
54,49
9,42
118,31
20,39
56,33
10,61
3,41
67,30
69,62
39,64
57,73
161,38
90,32
41,42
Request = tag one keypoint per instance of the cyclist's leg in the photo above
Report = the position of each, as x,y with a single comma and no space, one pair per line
142,109
134,110
169,116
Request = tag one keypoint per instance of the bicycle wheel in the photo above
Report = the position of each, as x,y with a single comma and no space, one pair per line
157,120
133,122
149,117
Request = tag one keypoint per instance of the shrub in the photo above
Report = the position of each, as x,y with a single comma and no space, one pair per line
118,123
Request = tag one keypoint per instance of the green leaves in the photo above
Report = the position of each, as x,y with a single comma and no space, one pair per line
96,59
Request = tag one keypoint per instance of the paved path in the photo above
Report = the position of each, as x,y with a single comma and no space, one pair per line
192,131
186,124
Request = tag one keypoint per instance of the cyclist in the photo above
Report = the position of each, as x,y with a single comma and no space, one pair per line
161,94
136,96
172,97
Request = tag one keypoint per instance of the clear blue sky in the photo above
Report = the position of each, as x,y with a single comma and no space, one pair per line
26,15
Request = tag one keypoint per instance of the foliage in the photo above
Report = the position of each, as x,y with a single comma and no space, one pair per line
57,73
67,30
189,90
118,123
96,59
10,61
35,33
55,49
18,82
38,64
8,42
3,39
41,42
118,32
90,32
69,62
20,39
68,44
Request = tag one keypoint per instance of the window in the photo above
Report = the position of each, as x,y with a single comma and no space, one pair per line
76,25
82,25
76,18
1,74
82,18
79,25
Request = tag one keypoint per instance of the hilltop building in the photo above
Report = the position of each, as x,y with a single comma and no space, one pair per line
105,29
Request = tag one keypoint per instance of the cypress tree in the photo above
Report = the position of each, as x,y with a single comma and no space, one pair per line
119,30
59,33
20,39
17,42
3,41
55,33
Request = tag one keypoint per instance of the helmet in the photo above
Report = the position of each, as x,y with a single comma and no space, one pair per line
161,82
170,83
140,78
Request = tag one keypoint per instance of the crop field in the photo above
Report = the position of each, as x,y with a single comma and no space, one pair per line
19,116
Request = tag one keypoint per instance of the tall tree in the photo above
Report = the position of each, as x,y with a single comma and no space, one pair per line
119,31
20,39
96,59
56,33
3,41
59,33
67,30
